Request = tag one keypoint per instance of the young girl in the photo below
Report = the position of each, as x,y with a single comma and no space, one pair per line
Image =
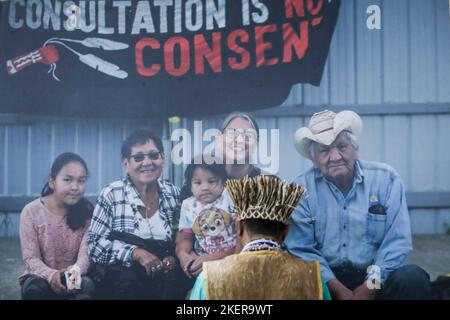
206,229
53,234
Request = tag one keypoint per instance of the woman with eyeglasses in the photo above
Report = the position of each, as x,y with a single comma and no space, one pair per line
239,140
53,235
131,238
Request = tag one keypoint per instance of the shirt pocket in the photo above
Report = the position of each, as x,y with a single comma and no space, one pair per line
375,228
319,230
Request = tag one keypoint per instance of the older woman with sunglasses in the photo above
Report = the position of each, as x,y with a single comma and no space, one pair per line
134,225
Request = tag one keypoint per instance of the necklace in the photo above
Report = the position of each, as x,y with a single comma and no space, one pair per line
148,205
147,220
148,216
261,244
145,224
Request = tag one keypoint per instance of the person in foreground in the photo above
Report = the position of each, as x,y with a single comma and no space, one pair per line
207,218
131,237
261,270
354,219
53,235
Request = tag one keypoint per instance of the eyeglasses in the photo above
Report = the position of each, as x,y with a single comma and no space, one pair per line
154,155
234,133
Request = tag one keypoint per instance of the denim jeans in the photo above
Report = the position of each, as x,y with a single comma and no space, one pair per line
37,288
408,282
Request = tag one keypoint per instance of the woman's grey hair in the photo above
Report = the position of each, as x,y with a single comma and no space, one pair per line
351,137
238,114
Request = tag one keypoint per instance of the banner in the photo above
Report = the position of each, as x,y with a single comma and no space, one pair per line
127,58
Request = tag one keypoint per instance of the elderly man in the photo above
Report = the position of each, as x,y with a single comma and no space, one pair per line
354,219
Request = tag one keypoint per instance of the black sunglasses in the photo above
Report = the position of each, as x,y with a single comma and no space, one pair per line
154,155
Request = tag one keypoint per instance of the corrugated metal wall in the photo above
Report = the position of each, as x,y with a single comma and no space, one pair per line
407,61
400,67
29,145
29,149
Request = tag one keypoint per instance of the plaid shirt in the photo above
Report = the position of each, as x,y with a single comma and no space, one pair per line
116,209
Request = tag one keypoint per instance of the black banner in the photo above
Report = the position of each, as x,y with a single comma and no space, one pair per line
123,58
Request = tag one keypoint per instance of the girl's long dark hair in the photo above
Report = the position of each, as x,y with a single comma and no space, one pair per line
79,213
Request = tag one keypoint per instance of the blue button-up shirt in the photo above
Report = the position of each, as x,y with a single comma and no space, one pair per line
338,230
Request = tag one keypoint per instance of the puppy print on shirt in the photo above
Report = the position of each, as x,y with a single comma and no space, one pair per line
213,227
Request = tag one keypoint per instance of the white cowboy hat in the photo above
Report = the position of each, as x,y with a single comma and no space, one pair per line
324,127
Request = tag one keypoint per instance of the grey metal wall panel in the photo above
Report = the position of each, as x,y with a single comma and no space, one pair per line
368,57
422,153
9,224
422,35
64,136
397,145
40,156
396,51
132,125
88,148
111,136
423,221
443,50
318,95
17,160
3,155
295,96
291,163
442,155
406,61
371,144
443,221
28,150
212,122
342,57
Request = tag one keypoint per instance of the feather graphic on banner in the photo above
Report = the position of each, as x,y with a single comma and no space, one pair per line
92,60
99,43
103,66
